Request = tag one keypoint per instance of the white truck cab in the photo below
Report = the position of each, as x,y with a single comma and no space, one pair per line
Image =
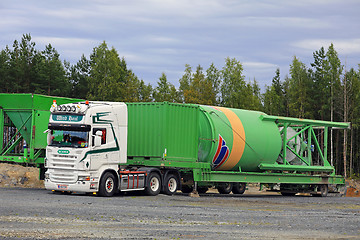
85,142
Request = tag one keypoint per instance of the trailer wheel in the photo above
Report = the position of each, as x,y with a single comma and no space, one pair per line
288,190
202,189
153,185
186,189
171,184
108,185
324,190
225,188
239,188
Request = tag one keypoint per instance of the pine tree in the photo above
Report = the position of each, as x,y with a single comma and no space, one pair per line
78,76
299,90
165,90
334,70
145,92
108,75
185,82
213,78
5,83
233,84
51,69
320,91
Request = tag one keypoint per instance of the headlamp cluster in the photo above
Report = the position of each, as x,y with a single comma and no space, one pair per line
70,108
64,108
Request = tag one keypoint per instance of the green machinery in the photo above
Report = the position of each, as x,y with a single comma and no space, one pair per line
23,119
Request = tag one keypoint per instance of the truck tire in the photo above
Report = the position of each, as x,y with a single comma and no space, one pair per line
171,184
202,189
186,189
108,185
153,185
324,190
239,188
288,190
225,188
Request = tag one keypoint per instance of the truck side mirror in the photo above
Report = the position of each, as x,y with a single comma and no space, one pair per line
48,136
97,138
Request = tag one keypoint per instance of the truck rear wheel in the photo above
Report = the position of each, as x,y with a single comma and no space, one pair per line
171,184
239,188
225,188
153,185
108,185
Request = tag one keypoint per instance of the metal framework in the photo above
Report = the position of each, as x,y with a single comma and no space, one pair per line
24,118
305,133
307,172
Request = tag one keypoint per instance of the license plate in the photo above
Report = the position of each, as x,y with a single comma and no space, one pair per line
62,187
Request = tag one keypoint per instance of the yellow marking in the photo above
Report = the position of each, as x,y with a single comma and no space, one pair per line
238,146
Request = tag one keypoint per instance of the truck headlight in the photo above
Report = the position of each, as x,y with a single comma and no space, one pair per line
84,178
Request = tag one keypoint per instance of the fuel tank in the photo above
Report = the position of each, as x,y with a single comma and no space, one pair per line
233,139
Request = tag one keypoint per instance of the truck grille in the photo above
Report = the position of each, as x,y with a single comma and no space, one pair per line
63,168
63,161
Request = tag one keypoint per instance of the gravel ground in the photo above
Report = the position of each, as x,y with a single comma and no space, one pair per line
40,214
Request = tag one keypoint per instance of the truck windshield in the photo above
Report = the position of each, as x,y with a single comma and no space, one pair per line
64,138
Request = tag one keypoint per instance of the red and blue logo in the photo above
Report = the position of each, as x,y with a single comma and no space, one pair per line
222,153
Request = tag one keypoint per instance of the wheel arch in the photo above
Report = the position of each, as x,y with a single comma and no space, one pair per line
110,170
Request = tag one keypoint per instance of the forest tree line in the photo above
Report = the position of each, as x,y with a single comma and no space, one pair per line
325,90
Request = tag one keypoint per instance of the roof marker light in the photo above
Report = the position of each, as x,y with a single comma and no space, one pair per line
53,106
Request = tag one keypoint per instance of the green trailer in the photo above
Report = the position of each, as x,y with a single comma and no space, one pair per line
109,146
226,148
23,120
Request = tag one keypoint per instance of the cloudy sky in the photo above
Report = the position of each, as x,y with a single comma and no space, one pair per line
158,36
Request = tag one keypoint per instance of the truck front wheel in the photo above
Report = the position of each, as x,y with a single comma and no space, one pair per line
108,185
153,186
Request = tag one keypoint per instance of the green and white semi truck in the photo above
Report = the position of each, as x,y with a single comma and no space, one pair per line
106,147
